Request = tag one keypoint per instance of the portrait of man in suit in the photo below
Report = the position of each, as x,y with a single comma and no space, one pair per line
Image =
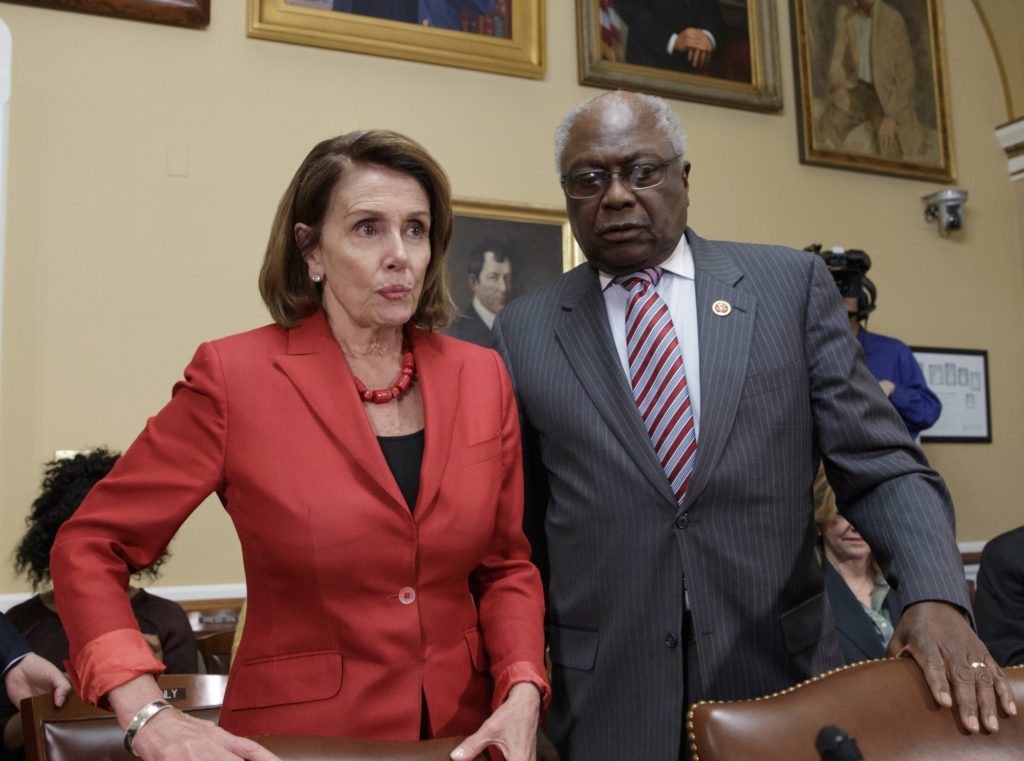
496,255
490,282
677,395
872,79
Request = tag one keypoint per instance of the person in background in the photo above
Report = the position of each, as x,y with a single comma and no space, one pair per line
863,604
892,363
490,281
372,468
679,35
164,625
444,14
24,674
677,395
999,597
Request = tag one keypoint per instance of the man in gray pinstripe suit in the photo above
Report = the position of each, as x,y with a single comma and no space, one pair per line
655,603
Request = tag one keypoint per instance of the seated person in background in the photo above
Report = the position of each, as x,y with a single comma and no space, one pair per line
164,624
999,598
24,674
863,606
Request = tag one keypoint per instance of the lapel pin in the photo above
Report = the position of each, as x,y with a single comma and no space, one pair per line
721,308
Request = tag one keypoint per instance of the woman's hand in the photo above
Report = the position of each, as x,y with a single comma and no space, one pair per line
175,735
172,735
512,728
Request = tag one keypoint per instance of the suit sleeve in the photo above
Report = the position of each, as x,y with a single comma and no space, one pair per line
651,27
882,481
999,601
12,645
127,521
506,584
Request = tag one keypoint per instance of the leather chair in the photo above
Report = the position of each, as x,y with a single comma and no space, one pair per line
308,748
215,650
885,705
79,731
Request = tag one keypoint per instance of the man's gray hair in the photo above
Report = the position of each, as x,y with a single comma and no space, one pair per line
664,117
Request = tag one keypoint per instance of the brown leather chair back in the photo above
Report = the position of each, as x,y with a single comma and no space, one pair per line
215,650
308,748
885,705
79,731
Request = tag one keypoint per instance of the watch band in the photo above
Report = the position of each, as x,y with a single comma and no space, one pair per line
139,720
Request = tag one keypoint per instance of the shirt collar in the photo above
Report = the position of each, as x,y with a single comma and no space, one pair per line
485,314
679,263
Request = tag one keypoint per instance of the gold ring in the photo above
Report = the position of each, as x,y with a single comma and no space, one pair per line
977,664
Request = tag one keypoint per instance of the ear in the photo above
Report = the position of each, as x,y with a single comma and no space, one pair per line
311,256
686,174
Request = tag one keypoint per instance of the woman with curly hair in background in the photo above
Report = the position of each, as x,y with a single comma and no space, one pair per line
164,624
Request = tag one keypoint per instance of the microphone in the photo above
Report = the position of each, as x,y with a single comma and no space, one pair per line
833,744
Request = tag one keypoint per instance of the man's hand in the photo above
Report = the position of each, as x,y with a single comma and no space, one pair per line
887,134
840,97
938,637
33,675
696,45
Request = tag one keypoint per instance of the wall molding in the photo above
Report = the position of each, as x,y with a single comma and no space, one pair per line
1011,138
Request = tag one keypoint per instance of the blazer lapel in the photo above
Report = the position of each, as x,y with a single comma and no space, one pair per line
439,378
317,368
582,332
724,352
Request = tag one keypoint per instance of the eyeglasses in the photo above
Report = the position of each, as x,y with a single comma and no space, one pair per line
640,176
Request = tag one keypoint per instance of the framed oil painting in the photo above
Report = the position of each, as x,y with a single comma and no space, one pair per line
871,78
500,251
723,52
500,36
190,13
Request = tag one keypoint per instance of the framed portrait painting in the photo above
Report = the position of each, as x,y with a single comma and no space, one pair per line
871,78
500,36
498,252
189,13
723,52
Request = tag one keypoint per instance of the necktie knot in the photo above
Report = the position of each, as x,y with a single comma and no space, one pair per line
639,282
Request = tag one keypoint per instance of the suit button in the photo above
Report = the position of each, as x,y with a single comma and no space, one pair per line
407,595
671,641
682,520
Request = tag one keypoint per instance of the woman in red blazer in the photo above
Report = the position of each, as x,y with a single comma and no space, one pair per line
372,470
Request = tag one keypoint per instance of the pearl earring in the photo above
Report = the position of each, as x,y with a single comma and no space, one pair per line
316,277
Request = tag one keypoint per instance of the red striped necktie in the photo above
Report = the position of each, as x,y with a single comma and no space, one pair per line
658,377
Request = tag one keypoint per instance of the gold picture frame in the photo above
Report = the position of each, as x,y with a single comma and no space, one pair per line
900,128
536,241
746,73
194,14
522,54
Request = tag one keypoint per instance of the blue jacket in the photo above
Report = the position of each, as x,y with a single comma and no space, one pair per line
12,645
890,359
445,14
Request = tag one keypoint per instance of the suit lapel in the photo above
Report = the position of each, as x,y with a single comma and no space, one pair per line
317,368
582,332
439,379
724,351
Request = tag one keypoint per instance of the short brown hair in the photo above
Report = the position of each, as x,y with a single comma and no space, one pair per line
285,285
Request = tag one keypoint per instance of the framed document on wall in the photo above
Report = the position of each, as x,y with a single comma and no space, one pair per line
959,377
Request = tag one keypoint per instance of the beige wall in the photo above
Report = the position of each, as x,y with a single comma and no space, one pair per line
116,271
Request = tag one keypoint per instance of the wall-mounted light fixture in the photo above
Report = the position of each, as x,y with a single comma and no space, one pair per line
946,207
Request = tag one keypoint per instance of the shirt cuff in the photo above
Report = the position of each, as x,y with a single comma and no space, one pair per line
521,671
14,662
110,660
672,41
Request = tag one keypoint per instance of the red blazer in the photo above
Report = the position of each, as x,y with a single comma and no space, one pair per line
356,606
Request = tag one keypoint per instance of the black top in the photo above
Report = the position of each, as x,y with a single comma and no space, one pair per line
404,455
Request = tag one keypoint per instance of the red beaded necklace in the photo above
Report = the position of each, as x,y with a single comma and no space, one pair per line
398,386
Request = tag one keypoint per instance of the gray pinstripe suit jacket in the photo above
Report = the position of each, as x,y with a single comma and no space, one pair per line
783,383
